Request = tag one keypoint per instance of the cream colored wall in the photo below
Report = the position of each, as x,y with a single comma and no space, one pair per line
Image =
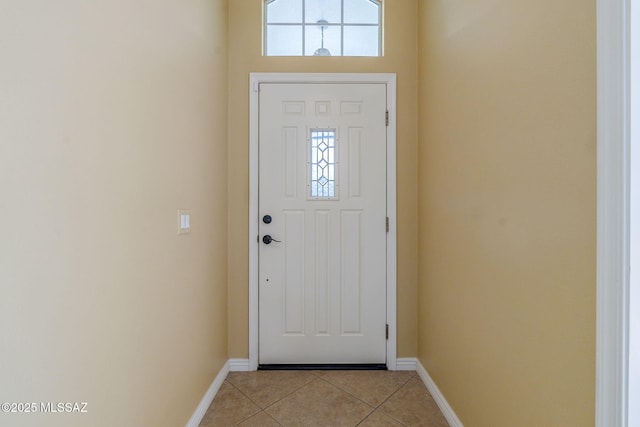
245,38
112,116
507,209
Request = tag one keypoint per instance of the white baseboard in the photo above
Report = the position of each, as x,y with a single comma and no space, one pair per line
406,364
442,403
198,414
239,365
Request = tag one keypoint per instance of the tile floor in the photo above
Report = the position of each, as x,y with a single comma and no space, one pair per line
323,398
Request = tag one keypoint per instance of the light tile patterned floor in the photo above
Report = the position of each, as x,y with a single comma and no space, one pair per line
323,398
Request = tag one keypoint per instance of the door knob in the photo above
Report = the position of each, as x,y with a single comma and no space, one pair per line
267,219
268,239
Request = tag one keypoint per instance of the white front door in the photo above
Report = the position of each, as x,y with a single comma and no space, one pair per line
322,223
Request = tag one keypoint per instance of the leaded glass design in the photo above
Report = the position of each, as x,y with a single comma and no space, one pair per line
323,28
322,164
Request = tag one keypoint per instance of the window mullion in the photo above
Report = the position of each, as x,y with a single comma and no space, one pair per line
304,28
341,27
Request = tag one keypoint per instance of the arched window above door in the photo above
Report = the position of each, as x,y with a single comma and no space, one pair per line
323,28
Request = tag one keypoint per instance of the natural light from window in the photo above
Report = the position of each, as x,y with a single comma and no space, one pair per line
323,28
322,163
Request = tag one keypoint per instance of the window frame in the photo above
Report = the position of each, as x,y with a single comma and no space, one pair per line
303,25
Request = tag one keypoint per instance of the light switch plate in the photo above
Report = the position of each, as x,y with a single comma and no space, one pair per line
184,221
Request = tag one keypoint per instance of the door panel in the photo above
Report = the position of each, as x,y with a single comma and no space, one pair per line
322,172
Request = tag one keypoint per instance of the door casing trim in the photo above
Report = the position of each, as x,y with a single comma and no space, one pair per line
255,79
613,214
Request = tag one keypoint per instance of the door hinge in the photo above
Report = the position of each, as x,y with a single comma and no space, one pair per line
386,118
386,331
387,224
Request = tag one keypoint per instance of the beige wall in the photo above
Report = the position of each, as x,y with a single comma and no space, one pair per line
245,38
112,116
507,209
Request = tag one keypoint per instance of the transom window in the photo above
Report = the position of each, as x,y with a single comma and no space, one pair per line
322,28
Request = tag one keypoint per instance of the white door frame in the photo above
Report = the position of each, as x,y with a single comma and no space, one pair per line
254,80
612,310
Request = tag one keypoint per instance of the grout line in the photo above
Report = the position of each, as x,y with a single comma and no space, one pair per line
366,403
248,397
349,393
415,373
289,394
274,420
383,414
256,414
278,400
344,391
240,391
393,394
366,416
